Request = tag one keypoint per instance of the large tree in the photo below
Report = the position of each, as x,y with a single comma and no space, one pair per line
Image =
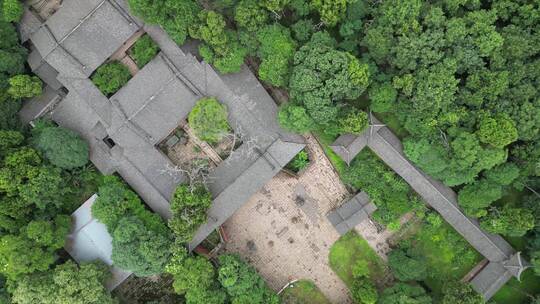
62,147
189,205
402,293
67,283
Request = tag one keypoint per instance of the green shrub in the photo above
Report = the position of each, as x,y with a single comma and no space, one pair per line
110,77
24,86
189,205
62,147
208,119
387,190
299,162
144,50
12,10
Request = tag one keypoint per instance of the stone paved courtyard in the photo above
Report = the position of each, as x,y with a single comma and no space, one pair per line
287,238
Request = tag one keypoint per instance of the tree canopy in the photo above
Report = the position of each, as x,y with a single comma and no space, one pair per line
209,120
189,205
62,147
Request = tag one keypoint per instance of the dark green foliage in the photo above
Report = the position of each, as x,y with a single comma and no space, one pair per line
144,50
475,197
276,51
460,293
242,283
208,119
189,205
141,240
535,261
382,98
402,293
110,77
24,86
51,233
9,140
322,77
8,115
406,267
67,283
138,249
303,29
509,221
62,147
299,162
392,196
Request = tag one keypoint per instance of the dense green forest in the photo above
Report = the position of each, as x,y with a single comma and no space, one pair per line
458,80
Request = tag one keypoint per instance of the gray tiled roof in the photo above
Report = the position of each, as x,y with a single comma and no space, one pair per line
351,213
490,279
89,241
151,105
81,35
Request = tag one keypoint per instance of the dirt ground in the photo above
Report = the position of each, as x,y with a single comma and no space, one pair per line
288,238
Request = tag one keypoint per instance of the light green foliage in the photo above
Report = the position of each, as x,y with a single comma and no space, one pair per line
67,283
50,234
401,293
189,272
364,291
242,283
175,16
249,15
303,292
20,255
144,50
299,162
446,253
138,249
295,118
189,205
12,10
221,46
382,98
274,5
353,121
460,293
331,11
62,147
497,131
208,119
110,77
509,221
392,196
276,51
406,267
24,86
